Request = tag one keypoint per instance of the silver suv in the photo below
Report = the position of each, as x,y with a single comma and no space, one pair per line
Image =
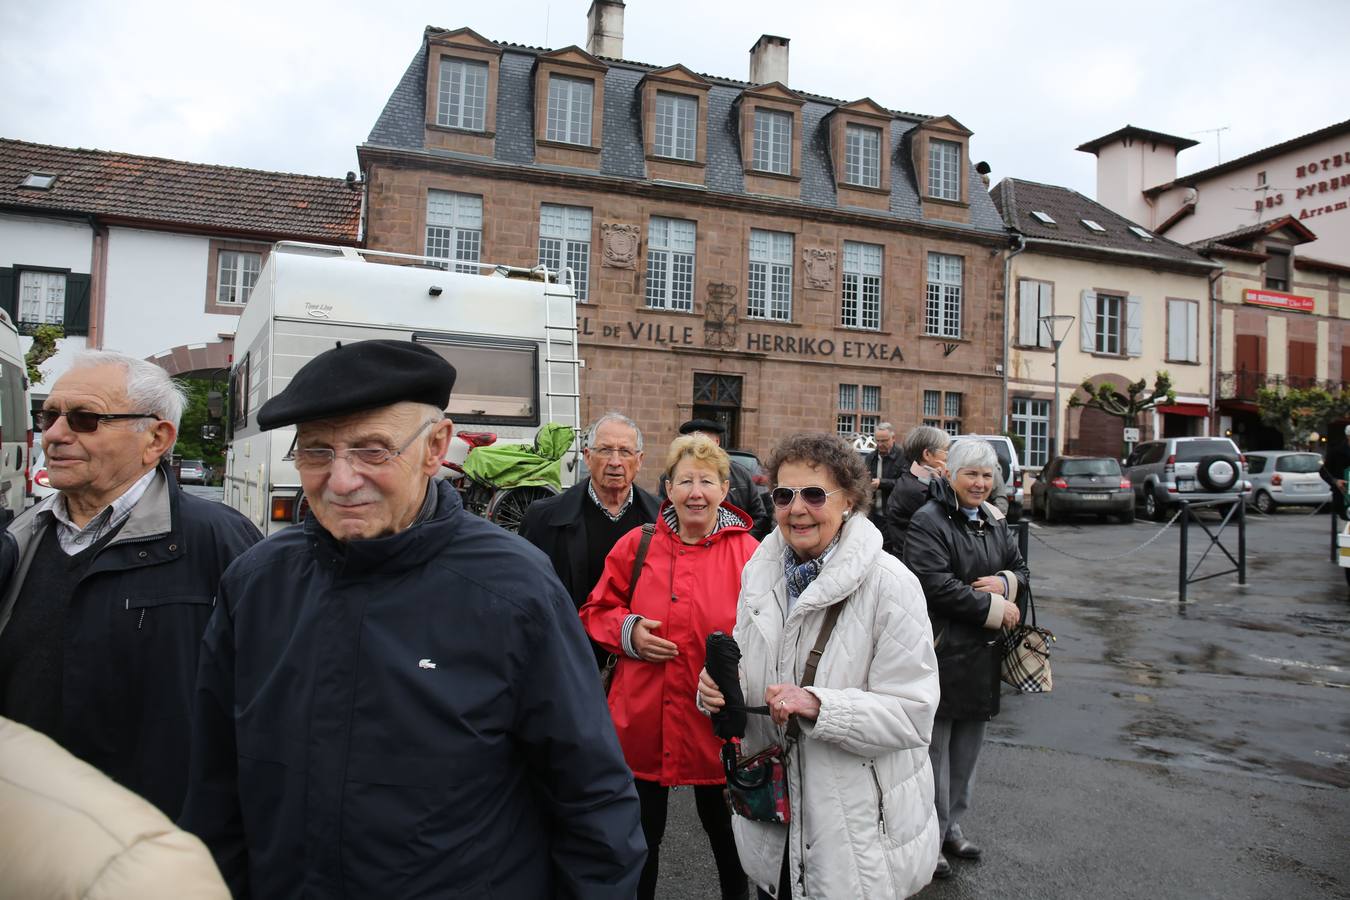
1185,468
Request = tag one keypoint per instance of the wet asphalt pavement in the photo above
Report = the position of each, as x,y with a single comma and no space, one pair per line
1196,749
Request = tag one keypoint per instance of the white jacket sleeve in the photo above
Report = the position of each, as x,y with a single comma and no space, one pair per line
896,711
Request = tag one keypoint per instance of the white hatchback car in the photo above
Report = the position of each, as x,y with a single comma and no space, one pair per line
1286,478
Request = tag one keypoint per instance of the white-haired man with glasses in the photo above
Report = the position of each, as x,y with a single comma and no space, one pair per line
577,528
114,580
396,698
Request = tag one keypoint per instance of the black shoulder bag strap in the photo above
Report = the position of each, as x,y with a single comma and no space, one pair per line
794,729
647,531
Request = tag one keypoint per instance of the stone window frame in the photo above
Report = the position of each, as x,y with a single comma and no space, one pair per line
854,412
469,46
773,97
577,64
679,81
864,113
940,416
860,274
667,283
213,272
942,128
942,283
771,263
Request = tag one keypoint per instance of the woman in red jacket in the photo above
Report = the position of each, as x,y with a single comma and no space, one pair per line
686,590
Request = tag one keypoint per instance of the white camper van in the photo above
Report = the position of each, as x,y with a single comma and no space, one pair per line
510,334
16,422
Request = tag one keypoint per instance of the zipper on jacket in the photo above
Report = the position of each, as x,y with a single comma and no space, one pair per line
881,799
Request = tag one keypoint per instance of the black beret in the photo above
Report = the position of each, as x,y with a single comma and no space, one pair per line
707,425
359,376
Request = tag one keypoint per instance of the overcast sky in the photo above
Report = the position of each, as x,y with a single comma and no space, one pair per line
295,86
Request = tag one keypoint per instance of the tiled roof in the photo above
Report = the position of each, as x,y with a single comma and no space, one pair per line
1017,200
1303,140
180,194
401,125
1247,233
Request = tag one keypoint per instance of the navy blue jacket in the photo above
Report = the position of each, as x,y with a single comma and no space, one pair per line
133,628
410,716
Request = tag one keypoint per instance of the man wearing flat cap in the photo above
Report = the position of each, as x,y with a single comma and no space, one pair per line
744,494
396,698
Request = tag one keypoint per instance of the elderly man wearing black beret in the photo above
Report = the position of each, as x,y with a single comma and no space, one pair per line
744,494
396,698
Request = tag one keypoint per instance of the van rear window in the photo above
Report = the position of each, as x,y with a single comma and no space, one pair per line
1090,467
1192,451
495,382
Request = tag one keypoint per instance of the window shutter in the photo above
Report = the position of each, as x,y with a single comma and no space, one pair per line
1193,332
1044,307
9,293
1134,328
1027,324
77,304
1176,330
1088,328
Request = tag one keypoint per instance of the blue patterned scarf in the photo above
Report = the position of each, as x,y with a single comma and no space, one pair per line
800,575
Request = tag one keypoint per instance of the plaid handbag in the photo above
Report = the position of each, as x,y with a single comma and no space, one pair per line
1026,655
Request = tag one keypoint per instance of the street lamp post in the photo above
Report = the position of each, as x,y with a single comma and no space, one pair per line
1058,326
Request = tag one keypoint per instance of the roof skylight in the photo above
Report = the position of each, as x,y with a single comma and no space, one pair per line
1141,233
40,181
1042,217
1093,226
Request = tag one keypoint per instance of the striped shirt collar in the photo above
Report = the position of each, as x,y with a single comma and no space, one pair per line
74,539
595,498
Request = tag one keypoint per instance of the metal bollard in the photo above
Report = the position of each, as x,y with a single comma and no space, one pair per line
1023,538
1242,540
1182,580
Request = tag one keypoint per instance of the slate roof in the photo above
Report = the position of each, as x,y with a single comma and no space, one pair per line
1017,199
180,194
401,126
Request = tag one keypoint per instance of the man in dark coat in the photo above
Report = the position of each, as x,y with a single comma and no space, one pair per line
1333,473
577,528
396,698
744,493
885,464
112,580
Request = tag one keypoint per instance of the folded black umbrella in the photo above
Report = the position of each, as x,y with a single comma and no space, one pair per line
723,663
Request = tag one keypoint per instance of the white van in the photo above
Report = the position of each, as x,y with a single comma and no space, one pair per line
16,422
511,336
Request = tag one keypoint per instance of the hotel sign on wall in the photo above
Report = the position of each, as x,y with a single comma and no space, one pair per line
1277,300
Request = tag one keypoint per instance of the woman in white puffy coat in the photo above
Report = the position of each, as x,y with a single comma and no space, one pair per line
860,785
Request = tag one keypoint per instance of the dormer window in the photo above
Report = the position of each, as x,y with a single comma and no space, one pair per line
462,94
862,155
773,141
569,109
1092,226
944,170
676,125
1044,218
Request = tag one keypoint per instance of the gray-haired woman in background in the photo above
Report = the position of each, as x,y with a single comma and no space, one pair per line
976,583
926,447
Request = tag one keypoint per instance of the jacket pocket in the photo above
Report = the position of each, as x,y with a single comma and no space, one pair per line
882,824
140,607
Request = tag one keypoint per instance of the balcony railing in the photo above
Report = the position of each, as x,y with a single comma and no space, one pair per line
1243,384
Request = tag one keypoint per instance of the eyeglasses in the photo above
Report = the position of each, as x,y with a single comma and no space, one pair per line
82,421
620,452
814,497
314,459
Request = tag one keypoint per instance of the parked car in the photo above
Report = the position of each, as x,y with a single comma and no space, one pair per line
42,486
1286,478
192,471
1009,469
747,460
1073,485
1166,471
16,421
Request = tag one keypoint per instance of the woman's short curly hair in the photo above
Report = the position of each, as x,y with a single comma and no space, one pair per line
829,452
701,449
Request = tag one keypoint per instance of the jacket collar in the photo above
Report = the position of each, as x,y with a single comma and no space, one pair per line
568,510
853,557
408,547
940,489
152,516
729,519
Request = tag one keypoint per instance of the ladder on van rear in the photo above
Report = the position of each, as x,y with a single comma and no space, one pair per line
562,358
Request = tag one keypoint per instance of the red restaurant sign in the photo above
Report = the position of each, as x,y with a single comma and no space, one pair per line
1291,302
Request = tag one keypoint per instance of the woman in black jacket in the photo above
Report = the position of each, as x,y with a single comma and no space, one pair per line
927,447
976,583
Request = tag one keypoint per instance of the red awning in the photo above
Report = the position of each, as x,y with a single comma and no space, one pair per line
1186,409
1238,406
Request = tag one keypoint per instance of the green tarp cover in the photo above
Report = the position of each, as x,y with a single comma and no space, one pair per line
519,465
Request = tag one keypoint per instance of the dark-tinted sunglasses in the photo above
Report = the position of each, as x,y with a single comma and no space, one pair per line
82,421
814,497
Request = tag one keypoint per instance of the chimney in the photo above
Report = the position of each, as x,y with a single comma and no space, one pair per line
769,60
604,28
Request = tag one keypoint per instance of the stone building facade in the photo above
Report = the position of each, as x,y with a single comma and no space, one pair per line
747,252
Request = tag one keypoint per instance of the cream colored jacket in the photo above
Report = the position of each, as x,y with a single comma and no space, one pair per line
68,831
860,785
